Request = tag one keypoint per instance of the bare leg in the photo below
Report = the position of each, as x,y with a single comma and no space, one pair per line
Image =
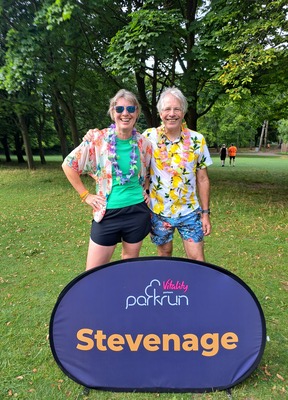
165,250
194,251
130,250
98,255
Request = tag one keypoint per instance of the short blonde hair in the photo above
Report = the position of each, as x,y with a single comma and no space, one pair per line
123,93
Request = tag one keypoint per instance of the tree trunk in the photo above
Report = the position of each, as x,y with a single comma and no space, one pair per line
39,130
59,126
262,133
266,134
143,99
41,150
18,147
40,147
69,111
191,118
26,140
190,81
5,145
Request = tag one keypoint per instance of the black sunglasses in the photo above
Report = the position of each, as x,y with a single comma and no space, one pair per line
120,109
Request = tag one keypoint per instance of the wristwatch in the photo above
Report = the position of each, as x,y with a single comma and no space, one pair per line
206,211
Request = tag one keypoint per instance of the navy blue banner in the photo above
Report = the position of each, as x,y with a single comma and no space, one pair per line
157,324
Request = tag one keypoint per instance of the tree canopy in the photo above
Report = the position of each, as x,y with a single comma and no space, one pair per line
61,61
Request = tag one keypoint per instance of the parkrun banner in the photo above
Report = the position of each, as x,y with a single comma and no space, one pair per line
157,324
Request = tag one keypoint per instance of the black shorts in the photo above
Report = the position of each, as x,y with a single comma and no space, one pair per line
130,224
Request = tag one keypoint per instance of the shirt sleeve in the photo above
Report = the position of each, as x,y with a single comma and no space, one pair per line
145,148
82,159
204,159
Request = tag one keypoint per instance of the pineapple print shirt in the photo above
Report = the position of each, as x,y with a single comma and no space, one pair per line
173,172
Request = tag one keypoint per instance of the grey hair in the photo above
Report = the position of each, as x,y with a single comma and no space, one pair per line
123,93
176,93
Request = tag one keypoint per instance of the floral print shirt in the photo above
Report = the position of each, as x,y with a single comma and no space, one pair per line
92,158
173,171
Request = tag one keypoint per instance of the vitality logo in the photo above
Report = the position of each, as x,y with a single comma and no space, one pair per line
167,293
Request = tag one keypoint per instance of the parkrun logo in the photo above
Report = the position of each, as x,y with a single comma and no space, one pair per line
157,294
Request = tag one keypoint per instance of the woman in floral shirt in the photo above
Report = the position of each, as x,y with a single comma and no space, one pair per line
118,159
178,169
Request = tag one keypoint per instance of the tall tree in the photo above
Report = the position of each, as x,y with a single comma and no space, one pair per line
75,75
15,77
162,46
205,48
59,62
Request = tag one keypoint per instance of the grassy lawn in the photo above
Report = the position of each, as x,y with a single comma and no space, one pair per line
44,236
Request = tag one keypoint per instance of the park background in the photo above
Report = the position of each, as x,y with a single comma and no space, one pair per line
60,63
62,60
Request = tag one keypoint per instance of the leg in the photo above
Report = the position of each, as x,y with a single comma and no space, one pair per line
165,250
130,250
135,226
192,235
194,251
162,234
98,255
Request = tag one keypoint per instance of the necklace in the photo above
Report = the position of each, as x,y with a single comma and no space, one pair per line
113,155
166,159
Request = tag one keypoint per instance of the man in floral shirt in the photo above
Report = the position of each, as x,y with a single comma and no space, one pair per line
178,170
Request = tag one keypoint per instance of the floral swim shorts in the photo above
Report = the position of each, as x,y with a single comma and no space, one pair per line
189,227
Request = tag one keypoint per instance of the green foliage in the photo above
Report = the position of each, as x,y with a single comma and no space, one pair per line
239,121
54,64
255,41
148,33
55,13
283,129
20,65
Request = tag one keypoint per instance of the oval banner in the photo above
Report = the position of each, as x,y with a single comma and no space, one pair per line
157,324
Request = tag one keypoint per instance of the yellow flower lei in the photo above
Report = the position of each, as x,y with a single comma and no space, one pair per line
163,153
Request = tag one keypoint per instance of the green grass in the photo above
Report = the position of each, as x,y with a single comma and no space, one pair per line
44,237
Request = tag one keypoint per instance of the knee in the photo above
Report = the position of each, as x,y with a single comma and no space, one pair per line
162,253
165,251
132,252
125,255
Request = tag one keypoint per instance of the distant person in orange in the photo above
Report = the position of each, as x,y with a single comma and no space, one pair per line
232,151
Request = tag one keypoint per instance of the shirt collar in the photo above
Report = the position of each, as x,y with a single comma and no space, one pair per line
163,135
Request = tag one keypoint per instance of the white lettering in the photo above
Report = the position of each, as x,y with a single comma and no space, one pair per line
154,297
